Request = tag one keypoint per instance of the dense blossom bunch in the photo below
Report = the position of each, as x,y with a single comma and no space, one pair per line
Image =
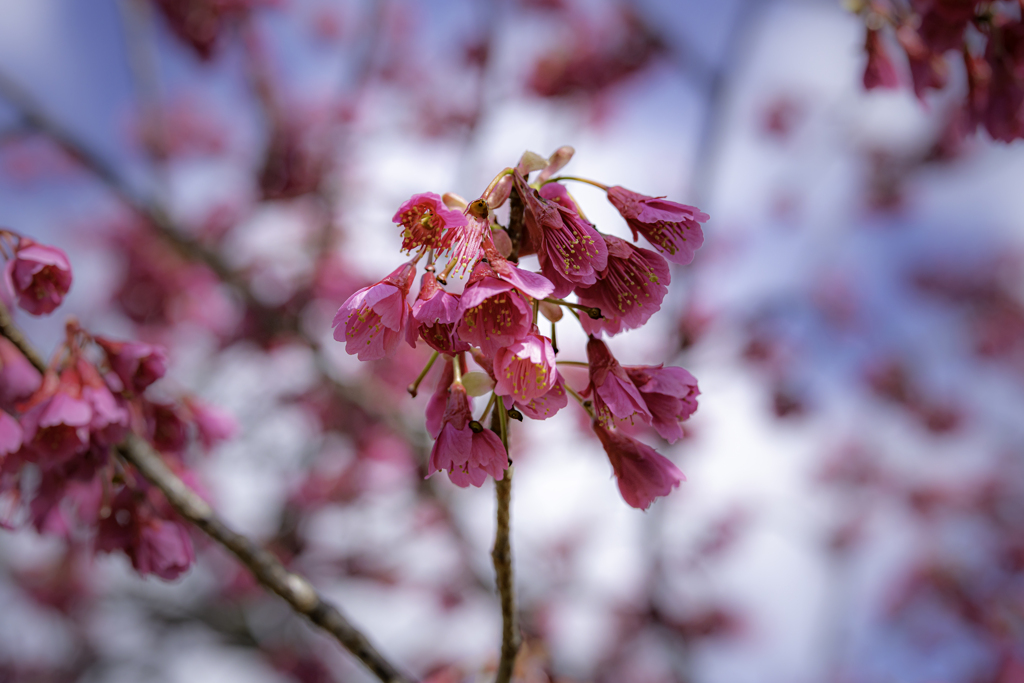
59,431
987,36
495,318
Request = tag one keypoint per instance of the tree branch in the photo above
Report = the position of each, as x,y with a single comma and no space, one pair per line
501,555
268,570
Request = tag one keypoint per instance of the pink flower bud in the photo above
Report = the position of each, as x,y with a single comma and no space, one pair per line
39,276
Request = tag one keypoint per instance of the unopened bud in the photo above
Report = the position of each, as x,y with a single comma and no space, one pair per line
502,242
477,383
530,162
556,162
499,194
552,312
515,415
454,201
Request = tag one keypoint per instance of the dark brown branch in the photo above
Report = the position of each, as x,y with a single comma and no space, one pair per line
268,570
501,555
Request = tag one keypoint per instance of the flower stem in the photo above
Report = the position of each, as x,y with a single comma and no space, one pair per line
457,368
583,402
572,362
577,179
594,313
415,386
501,556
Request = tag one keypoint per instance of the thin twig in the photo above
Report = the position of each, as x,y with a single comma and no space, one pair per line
501,555
268,570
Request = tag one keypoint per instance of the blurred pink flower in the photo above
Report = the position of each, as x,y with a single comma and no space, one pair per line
371,321
213,424
673,228
10,434
18,377
641,472
137,364
879,71
39,276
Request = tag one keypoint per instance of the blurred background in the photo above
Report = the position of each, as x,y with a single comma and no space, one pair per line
853,510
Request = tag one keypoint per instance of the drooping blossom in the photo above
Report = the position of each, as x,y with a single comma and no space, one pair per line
427,222
154,545
673,228
879,71
529,283
18,377
467,454
543,407
670,394
575,253
372,320
463,243
540,216
628,292
525,369
10,434
615,397
641,472
39,276
439,399
166,426
56,426
493,313
137,365
437,313
213,424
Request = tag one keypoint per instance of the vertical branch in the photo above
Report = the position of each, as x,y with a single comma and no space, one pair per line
501,555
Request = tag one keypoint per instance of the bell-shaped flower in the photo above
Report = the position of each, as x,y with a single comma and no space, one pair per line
154,545
372,320
615,397
641,472
39,276
56,426
427,222
492,311
670,394
574,254
673,228
525,369
437,312
468,454
628,292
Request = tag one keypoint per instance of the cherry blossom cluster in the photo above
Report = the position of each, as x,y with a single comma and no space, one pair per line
60,429
987,36
494,320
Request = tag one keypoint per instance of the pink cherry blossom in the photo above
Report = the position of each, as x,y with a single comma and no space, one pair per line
463,243
628,292
641,472
493,313
427,222
56,427
154,545
615,397
10,434
212,423
527,282
468,455
525,369
39,276
673,228
540,217
372,320
670,394
575,253
543,407
437,313
18,377
137,364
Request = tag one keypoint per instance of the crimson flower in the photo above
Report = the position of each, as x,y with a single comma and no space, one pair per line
525,369
426,222
371,321
670,394
628,292
673,228
615,397
467,454
437,313
641,472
